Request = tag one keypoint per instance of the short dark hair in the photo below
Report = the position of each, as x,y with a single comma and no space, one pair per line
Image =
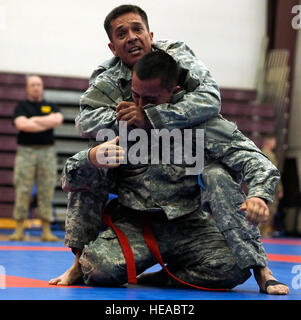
30,75
119,11
268,136
158,64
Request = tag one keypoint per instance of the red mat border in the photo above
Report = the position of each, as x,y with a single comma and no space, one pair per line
293,242
34,248
21,282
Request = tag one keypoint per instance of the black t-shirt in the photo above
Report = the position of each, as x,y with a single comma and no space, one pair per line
30,109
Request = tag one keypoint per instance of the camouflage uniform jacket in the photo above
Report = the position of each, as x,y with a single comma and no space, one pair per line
168,187
111,84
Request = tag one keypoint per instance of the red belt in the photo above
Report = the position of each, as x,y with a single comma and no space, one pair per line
126,248
150,240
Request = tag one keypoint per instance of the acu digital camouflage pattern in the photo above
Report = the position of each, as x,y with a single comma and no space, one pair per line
163,186
224,143
89,188
193,248
267,228
113,85
34,164
230,159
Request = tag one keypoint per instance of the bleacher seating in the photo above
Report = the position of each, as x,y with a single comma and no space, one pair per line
253,119
237,105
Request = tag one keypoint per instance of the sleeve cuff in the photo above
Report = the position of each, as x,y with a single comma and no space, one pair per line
153,116
264,196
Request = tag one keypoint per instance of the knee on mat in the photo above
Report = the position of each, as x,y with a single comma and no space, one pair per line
99,270
223,274
237,277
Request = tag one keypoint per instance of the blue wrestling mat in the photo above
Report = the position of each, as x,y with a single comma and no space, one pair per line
26,267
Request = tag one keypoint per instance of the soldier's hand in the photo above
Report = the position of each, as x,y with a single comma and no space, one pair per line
256,210
107,155
132,114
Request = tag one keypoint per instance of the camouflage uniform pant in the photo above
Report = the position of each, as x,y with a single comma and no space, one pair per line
34,164
193,248
222,198
83,217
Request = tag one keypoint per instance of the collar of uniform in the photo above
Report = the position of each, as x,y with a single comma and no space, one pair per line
124,74
177,97
163,44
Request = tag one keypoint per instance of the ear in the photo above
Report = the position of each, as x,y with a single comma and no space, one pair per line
112,48
176,89
151,35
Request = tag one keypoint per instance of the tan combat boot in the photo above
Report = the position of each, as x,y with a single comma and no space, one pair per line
46,233
18,235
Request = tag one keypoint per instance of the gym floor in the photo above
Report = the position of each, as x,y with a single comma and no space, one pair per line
26,267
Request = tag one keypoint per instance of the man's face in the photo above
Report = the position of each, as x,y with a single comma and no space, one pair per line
150,92
130,39
34,88
272,143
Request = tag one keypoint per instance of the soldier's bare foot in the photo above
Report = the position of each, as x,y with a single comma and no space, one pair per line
268,283
72,276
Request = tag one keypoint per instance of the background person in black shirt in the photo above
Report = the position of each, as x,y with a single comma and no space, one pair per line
35,159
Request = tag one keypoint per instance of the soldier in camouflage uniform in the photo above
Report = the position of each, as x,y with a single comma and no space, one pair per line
190,242
35,159
109,86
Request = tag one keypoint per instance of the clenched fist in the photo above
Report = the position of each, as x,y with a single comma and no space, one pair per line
256,210
132,114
